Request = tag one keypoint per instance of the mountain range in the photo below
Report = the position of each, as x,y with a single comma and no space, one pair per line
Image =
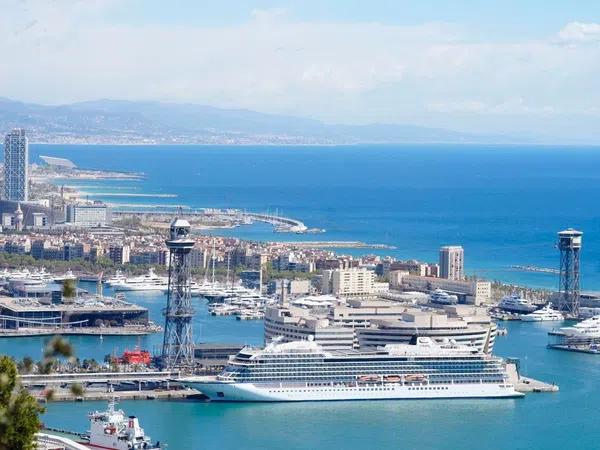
145,122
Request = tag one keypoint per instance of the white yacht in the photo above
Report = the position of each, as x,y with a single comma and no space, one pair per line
148,282
119,277
515,303
546,314
303,371
588,328
443,298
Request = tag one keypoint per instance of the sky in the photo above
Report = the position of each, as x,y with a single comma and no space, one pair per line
492,66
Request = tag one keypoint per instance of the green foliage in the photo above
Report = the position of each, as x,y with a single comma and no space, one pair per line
272,274
69,288
26,365
19,411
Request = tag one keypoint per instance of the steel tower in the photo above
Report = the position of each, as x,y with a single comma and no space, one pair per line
569,245
178,343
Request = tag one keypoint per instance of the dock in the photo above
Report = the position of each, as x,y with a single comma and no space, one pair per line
64,395
527,385
561,341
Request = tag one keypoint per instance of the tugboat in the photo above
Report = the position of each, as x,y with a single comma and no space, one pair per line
112,429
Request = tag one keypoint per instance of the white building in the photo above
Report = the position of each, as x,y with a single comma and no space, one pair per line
475,292
452,261
16,166
88,215
355,282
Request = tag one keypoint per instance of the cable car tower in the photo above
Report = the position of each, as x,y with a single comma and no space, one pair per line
569,245
178,342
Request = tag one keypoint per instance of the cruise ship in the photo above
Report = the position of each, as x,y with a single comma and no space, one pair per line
303,371
546,314
515,303
443,298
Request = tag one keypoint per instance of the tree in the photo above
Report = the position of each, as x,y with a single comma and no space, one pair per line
69,288
19,411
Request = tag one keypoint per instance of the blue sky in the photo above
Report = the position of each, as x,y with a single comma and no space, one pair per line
506,20
510,67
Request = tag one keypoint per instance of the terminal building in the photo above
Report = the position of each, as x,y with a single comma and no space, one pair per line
42,312
367,324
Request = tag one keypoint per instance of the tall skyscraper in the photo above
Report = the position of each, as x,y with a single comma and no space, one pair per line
452,262
16,166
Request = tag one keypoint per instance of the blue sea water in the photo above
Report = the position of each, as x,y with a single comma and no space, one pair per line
503,204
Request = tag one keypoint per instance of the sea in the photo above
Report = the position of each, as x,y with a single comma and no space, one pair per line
503,204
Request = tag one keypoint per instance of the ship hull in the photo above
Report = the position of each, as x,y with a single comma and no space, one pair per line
248,392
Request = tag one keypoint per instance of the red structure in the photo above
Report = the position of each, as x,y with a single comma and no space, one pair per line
136,357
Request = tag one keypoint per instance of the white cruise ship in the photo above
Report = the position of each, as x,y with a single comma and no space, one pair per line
546,314
515,303
148,282
303,371
443,298
588,328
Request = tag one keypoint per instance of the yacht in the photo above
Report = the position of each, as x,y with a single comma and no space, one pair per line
546,314
515,303
68,275
148,282
443,298
588,328
303,371
112,429
118,278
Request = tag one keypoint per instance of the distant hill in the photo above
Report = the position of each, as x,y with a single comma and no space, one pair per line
115,121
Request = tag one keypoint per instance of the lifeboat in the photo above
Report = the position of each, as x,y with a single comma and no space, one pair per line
418,377
392,378
368,378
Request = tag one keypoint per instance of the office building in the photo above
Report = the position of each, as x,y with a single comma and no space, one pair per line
452,260
84,215
16,166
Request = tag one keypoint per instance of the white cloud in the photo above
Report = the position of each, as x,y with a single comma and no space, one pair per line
578,32
358,72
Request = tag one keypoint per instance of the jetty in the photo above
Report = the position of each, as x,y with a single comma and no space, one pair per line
527,385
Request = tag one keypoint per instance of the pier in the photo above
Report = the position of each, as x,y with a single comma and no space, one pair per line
526,385
55,379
